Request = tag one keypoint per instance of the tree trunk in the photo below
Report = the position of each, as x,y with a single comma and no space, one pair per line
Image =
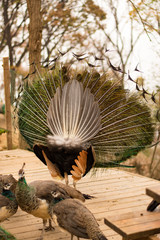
35,36
35,33
8,37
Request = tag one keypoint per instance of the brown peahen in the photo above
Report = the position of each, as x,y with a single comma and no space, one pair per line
36,198
75,218
74,121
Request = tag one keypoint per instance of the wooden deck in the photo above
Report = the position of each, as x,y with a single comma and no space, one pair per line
116,192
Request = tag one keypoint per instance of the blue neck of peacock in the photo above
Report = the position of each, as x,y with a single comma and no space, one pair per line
22,180
57,200
26,196
8,194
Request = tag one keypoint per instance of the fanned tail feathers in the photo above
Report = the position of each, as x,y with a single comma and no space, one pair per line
89,110
73,116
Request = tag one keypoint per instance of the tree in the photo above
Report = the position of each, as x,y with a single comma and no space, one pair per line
35,33
148,13
62,25
13,35
62,22
121,38
68,24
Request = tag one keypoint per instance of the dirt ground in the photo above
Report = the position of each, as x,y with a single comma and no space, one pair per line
142,161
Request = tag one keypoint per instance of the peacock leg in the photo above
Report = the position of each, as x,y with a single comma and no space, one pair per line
43,229
50,227
66,178
74,184
72,237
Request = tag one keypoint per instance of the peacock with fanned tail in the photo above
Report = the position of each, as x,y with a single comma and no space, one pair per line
74,121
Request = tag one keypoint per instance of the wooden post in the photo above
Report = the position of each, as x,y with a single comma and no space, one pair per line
7,102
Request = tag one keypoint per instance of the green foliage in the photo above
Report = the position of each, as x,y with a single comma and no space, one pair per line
4,235
2,110
2,130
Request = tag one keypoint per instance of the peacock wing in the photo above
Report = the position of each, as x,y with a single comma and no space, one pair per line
72,192
4,201
43,189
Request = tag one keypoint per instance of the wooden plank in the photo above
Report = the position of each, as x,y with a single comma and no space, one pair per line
141,219
131,215
135,225
146,238
135,231
155,237
154,192
7,101
143,230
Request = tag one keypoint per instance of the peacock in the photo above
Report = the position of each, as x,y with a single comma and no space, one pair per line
36,198
72,216
76,120
8,201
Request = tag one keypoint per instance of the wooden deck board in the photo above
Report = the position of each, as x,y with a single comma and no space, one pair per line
154,192
116,192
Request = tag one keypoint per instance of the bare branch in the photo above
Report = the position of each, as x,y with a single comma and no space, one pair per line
22,55
140,18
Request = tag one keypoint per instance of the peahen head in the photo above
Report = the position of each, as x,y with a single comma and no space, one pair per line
8,182
8,188
57,196
21,172
7,185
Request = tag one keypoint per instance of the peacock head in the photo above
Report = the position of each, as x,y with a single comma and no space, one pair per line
57,196
7,185
21,172
8,182
7,190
